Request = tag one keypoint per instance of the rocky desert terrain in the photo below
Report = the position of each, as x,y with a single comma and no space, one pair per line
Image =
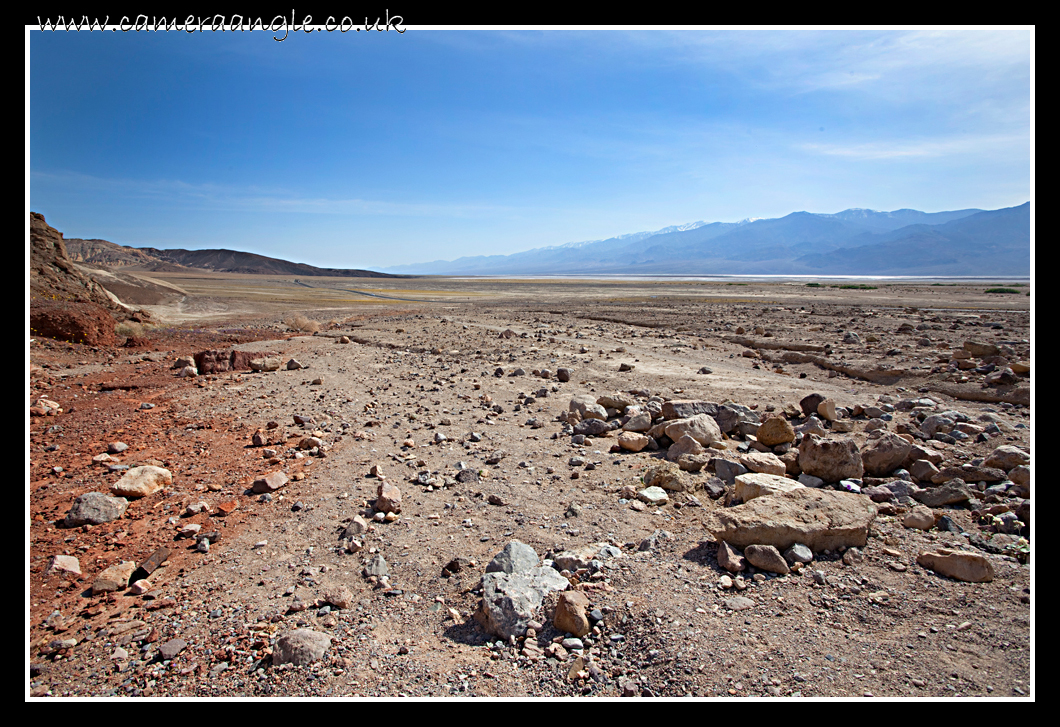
538,489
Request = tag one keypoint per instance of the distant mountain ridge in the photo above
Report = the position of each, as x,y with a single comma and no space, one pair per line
112,255
851,242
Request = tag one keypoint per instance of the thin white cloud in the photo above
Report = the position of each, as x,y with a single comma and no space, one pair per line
920,149
219,197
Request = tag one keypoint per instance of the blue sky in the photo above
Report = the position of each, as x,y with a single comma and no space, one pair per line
365,150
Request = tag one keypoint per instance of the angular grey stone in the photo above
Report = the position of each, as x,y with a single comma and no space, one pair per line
511,600
952,493
585,406
652,541
515,557
714,487
638,423
685,444
728,470
890,491
496,456
730,415
798,553
923,470
937,423
591,427
686,408
95,508
300,647
377,567
810,480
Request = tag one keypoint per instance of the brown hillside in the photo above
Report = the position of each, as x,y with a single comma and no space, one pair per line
64,303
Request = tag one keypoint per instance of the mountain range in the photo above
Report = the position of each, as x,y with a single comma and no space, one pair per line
968,242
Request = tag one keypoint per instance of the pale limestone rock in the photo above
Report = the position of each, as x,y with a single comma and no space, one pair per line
142,481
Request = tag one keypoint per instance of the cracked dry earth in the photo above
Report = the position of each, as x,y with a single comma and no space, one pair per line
414,395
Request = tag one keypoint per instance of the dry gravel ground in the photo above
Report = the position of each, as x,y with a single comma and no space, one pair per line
413,374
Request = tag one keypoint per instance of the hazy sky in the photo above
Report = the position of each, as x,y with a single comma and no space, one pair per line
365,150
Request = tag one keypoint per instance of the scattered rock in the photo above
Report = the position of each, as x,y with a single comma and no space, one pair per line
142,481
66,565
809,404
920,518
388,498
95,508
300,647
377,567
774,431
570,615
958,564
830,459
511,600
819,519
341,597
730,558
798,553
270,482
884,453
115,578
515,557
653,496
752,485
767,558
171,648
701,427
1007,457
632,441
762,462
727,470
951,493
738,603
666,475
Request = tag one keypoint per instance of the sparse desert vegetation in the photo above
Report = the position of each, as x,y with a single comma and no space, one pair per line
298,322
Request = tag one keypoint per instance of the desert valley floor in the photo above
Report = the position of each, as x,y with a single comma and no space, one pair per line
448,394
